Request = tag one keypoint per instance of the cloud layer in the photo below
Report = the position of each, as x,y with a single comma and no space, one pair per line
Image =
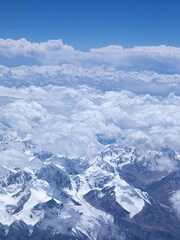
157,58
68,121
102,77
108,68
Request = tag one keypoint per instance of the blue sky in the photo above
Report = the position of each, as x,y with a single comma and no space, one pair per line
86,24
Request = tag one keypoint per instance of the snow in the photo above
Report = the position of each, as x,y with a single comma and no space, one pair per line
83,217
38,195
127,197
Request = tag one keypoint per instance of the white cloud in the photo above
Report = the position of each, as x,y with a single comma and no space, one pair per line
163,58
108,68
12,48
175,200
69,118
102,77
67,121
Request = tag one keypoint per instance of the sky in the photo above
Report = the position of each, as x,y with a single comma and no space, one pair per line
86,24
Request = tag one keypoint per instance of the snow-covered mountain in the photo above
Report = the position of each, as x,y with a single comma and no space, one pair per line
117,194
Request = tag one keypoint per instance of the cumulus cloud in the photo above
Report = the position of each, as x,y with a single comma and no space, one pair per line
68,121
158,58
175,200
43,52
107,68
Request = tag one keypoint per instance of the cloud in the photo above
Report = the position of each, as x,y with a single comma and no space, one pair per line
158,58
175,200
110,92
108,68
45,50
139,57
101,77
68,121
